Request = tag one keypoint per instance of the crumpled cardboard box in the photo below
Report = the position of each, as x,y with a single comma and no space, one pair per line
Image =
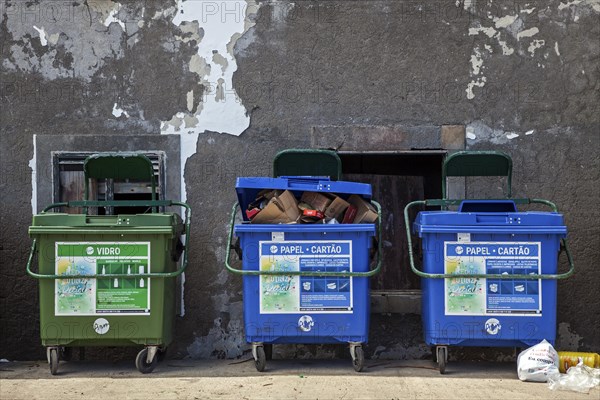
281,209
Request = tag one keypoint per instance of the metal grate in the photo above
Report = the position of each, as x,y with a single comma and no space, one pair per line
68,181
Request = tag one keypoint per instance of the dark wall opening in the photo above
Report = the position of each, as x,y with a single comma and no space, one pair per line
397,179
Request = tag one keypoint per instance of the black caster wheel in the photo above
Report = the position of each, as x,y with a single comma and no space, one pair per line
268,351
161,354
142,363
358,362
53,361
434,353
442,358
66,353
260,362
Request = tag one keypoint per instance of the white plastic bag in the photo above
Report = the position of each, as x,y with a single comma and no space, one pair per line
579,378
537,363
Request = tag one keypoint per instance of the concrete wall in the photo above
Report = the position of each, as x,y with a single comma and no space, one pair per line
240,80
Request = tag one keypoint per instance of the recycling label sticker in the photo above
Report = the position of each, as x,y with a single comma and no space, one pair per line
102,296
481,296
288,294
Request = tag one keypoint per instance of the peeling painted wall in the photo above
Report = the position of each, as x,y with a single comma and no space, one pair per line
240,80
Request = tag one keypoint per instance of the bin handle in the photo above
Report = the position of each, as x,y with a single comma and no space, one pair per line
304,273
162,275
444,203
107,203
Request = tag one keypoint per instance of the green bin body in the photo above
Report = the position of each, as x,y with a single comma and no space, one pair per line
69,315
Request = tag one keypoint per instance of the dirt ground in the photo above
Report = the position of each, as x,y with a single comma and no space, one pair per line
283,379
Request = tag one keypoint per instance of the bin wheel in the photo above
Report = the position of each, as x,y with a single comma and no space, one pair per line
442,358
260,362
161,354
53,361
268,351
66,353
142,363
434,353
358,361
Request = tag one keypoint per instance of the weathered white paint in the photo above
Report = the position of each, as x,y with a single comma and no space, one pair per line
117,112
529,132
507,51
112,17
33,166
468,4
42,34
528,10
479,82
534,45
556,49
511,135
476,62
89,42
190,100
488,31
568,4
528,33
222,24
505,21
470,133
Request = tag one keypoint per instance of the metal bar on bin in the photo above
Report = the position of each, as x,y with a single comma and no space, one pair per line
303,273
182,268
444,202
108,203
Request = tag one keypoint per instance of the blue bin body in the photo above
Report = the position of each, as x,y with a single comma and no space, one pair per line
488,312
328,310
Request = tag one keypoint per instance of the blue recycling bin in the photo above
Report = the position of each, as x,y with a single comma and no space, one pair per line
489,273
304,283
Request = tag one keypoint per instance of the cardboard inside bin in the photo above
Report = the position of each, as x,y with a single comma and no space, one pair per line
249,188
318,201
365,212
337,208
281,209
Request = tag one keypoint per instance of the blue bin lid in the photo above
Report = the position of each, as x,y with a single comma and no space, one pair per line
489,216
247,188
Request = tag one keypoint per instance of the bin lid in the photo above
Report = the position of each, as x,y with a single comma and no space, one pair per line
489,216
477,163
119,166
247,188
156,222
311,162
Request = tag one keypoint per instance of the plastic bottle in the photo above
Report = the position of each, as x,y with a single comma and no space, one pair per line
567,359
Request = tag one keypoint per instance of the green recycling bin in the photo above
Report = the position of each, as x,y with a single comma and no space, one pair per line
108,280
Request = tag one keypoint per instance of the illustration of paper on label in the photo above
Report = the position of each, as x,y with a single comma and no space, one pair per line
520,288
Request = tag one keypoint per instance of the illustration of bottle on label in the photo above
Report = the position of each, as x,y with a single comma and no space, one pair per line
141,282
141,269
103,270
129,270
116,283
